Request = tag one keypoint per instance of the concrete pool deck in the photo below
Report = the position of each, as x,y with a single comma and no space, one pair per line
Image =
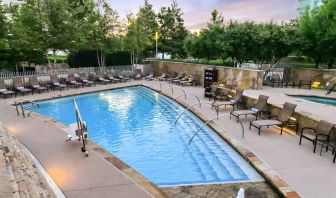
309,174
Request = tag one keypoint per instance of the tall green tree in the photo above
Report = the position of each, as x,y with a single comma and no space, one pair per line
148,26
172,30
101,26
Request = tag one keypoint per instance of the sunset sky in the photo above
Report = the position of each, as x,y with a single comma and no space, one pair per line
197,12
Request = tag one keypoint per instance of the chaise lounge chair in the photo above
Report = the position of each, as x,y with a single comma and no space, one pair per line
190,82
56,84
123,78
233,102
255,111
3,89
163,77
73,82
100,78
281,120
321,133
137,77
178,77
83,77
111,78
34,84
184,78
19,86
150,77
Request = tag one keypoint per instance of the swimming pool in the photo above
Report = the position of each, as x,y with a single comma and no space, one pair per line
136,124
321,100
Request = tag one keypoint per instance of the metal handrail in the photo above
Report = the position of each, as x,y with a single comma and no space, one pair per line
34,106
185,96
198,103
205,124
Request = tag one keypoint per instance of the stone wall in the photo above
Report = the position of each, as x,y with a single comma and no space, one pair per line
247,78
321,75
19,176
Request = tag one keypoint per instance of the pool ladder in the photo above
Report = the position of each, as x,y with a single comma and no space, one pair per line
31,107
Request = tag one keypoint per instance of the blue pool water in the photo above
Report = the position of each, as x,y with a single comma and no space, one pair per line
327,101
137,125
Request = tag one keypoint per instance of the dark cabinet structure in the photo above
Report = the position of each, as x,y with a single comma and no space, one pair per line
210,76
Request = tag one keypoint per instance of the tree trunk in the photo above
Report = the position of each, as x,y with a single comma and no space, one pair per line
98,59
54,54
317,62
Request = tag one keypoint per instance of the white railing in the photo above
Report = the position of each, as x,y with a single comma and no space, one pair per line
43,75
123,68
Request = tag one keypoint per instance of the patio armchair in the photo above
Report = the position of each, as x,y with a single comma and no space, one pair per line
235,101
34,84
276,80
255,111
210,92
281,120
84,78
19,86
73,82
223,94
305,81
3,89
321,133
55,83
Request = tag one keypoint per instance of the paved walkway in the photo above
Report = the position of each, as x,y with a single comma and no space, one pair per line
76,175
309,174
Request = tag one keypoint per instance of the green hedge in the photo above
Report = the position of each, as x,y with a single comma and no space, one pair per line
88,58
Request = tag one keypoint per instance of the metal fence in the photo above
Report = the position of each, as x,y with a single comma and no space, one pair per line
43,75
121,69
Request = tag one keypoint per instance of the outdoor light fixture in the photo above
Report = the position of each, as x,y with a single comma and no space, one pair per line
292,119
316,84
